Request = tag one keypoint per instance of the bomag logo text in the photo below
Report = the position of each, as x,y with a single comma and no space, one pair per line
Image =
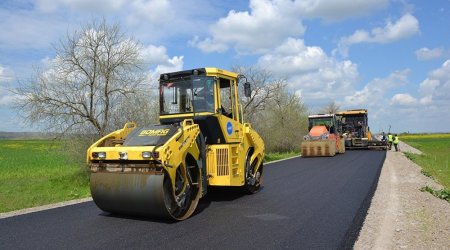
154,132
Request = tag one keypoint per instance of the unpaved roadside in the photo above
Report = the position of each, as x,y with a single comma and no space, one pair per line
400,215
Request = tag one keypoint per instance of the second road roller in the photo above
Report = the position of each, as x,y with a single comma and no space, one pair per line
202,140
324,137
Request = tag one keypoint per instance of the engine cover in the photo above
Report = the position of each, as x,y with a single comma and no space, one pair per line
150,136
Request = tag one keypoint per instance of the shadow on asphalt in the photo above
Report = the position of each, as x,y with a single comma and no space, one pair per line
215,194
137,218
221,194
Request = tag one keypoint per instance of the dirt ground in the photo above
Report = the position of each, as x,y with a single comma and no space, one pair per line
400,215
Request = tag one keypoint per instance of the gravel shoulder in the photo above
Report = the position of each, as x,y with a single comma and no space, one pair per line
400,215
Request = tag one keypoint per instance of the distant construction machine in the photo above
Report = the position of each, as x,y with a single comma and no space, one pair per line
355,129
324,137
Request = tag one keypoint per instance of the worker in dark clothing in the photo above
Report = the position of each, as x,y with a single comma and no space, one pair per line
396,141
359,129
383,136
390,139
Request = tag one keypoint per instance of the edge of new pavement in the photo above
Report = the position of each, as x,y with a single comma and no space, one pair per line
77,201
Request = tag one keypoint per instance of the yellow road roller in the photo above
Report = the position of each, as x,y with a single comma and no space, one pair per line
161,171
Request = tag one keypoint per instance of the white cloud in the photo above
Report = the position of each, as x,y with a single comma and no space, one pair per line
25,29
208,45
426,100
403,99
429,54
168,20
6,97
155,11
435,88
373,94
428,86
331,81
426,112
44,22
429,113
157,60
5,75
309,71
267,24
84,5
376,97
173,64
152,54
332,10
7,100
406,26
293,56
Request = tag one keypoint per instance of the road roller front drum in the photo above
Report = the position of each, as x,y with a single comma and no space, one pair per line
148,194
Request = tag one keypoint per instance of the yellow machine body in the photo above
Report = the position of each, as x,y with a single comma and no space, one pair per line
163,170
356,130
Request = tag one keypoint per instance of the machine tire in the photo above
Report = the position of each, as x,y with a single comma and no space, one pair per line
252,185
191,195
202,162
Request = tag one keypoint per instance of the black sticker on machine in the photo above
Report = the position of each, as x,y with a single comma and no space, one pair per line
150,136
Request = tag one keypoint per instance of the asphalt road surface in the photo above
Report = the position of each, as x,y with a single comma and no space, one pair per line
305,203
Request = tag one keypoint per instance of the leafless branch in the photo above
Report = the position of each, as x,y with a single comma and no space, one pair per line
90,86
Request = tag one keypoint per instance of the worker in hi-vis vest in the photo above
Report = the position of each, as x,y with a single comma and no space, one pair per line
396,141
390,139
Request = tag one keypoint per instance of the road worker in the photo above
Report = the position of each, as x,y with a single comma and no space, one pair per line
383,136
390,139
396,141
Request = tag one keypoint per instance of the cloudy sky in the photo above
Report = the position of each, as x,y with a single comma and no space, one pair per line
389,56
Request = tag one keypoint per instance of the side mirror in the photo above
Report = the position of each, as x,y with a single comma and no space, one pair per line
247,89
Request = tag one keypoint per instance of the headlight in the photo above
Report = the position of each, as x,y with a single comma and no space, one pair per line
123,155
146,154
101,155
324,136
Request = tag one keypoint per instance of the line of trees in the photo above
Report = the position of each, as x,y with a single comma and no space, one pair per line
98,81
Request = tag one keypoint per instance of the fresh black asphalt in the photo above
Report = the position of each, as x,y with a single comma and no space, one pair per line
305,203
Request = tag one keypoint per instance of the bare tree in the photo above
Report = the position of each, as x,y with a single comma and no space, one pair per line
142,108
330,108
284,122
95,74
264,88
278,115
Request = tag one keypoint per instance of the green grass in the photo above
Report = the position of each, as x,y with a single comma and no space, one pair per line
424,136
35,172
278,156
442,194
435,160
